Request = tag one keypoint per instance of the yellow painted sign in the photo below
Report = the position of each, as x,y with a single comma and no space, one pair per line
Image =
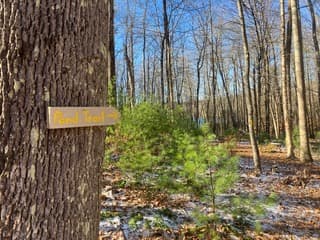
69,117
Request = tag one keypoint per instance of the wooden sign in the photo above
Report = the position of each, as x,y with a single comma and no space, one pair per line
69,117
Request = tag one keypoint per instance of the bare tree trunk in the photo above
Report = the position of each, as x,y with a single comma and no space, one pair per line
310,110
236,95
244,97
214,88
275,120
256,96
162,72
199,67
130,77
149,88
180,88
128,55
255,149
144,49
112,86
213,70
209,92
305,155
288,62
226,89
259,119
50,56
267,92
167,48
284,77
316,46
277,97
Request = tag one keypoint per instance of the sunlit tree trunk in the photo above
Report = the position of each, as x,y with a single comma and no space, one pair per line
305,155
130,75
284,77
255,149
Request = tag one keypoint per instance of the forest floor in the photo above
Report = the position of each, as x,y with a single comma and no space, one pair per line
131,213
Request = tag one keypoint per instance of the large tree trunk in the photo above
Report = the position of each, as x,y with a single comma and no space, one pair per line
51,55
285,79
255,149
305,155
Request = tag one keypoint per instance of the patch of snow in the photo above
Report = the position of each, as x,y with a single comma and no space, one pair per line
269,178
110,224
314,183
190,205
180,196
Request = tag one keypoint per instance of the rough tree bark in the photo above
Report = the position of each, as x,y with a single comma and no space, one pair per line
305,155
51,54
246,81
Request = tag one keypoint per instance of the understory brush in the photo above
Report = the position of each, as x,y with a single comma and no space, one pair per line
162,149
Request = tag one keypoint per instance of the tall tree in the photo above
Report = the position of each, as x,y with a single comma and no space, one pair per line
51,55
305,155
212,66
144,50
129,57
201,46
223,75
285,79
315,44
246,81
168,53
111,68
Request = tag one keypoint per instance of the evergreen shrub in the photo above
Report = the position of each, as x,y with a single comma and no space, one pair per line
162,148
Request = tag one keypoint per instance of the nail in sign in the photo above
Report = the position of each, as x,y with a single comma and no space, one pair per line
70,117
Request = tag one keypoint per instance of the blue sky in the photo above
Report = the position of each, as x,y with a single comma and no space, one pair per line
185,21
